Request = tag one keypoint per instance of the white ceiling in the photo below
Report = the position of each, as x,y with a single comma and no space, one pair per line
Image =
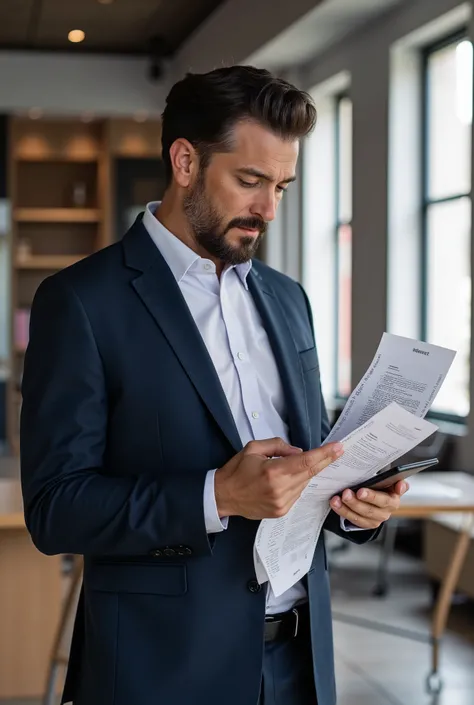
317,30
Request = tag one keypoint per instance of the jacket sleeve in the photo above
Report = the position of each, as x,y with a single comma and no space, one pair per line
70,504
333,521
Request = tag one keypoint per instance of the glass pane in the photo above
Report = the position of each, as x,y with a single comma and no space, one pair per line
449,118
344,284
449,296
345,159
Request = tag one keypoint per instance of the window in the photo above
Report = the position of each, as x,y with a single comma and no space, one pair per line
343,244
327,247
446,213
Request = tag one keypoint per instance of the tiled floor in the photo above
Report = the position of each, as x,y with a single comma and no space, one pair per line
374,668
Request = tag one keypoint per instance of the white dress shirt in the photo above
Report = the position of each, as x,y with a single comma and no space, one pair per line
225,314
229,323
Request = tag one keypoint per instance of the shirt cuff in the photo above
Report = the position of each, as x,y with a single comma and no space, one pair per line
347,525
214,524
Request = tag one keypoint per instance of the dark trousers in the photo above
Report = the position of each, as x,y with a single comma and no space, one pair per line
288,677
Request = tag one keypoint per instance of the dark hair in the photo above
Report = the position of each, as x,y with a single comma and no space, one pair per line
204,108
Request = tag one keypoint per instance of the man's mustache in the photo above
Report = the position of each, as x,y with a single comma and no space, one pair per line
248,224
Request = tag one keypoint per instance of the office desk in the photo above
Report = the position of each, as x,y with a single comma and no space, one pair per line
440,493
431,493
30,602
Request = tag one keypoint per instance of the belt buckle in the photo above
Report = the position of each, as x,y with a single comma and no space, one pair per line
297,620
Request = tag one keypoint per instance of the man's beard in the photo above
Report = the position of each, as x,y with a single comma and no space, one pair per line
210,232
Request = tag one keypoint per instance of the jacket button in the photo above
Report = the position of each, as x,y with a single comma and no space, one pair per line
253,586
156,553
169,552
183,551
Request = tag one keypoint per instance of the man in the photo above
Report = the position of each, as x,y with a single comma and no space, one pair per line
165,380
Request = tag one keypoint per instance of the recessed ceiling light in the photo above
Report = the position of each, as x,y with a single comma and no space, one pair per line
105,2
76,36
35,113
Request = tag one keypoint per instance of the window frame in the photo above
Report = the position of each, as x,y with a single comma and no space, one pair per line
338,223
426,201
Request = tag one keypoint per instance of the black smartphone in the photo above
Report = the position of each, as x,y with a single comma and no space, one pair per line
387,478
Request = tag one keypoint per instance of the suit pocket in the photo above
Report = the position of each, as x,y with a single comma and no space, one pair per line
138,579
309,359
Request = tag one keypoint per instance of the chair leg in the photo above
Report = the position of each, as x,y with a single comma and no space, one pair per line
390,533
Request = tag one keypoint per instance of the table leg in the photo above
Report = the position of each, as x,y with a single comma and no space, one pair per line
440,616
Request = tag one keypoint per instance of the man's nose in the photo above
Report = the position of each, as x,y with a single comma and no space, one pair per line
265,207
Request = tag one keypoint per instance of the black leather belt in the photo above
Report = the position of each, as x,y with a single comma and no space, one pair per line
287,625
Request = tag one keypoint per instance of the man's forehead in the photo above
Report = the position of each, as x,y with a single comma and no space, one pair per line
254,146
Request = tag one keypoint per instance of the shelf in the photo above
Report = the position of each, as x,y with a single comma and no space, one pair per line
48,261
58,158
57,215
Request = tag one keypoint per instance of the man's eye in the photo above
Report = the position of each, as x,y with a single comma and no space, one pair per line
248,184
282,189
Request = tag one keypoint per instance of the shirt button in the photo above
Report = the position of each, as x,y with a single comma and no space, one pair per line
240,355
253,586
255,414
208,266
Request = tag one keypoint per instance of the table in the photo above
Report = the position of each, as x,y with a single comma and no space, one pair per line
430,493
30,601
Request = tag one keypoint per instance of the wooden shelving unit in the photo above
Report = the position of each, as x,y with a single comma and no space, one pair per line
57,215
48,261
66,191
59,174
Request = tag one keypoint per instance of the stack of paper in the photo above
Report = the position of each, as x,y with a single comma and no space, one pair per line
382,420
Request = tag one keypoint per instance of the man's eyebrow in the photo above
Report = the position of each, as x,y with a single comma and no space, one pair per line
250,171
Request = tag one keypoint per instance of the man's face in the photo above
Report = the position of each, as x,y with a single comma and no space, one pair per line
231,201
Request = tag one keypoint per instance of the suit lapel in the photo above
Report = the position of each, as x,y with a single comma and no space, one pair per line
286,356
159,291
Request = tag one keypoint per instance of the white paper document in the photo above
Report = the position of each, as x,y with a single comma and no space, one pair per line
403,370
381,421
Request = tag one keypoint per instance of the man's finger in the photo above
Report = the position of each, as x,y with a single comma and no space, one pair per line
347,513
313,461
379,510
377,498
400,487
271,448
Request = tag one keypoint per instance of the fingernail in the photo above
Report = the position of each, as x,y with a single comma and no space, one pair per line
404,487
338,449
336,502
346,495
363,494
297,448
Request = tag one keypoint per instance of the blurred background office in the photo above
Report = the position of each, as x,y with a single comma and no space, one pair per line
378,229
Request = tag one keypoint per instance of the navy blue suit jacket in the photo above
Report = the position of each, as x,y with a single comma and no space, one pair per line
123,415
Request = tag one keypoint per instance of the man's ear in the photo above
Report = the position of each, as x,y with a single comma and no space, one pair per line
184,161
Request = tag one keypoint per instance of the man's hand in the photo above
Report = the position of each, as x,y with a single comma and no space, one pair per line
369,508
266,478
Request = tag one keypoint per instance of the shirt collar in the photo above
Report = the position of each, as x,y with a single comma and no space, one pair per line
178,256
